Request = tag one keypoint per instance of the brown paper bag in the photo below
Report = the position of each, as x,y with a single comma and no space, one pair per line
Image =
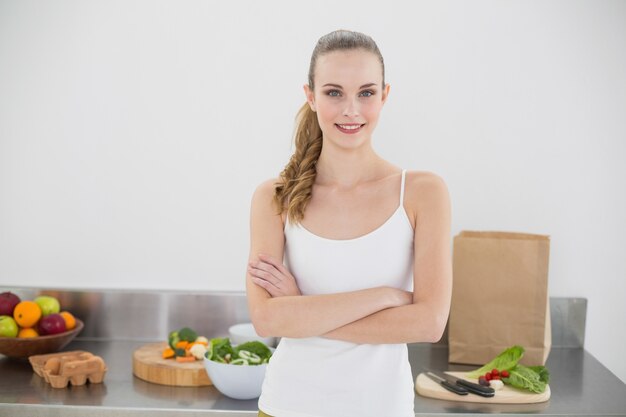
499,297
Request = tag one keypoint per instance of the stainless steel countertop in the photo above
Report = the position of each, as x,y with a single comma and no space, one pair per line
581,386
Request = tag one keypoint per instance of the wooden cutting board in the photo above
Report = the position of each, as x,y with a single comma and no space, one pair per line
149,365
507,395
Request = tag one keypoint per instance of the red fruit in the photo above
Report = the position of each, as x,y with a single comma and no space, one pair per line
52,324
8,301
496,377
495,372
505,374
488,376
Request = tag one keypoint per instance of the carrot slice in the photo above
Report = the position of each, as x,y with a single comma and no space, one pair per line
168,353
182,344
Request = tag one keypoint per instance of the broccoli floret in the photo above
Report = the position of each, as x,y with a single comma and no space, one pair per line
173,339
187,334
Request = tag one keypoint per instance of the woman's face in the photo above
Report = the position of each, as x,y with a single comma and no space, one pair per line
348,96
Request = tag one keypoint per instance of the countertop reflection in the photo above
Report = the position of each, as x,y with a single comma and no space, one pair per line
580,386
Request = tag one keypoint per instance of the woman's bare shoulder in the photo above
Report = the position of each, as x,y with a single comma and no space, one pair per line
263,198
425,190
266,189
424,180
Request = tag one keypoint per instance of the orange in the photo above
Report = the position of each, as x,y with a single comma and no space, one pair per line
27,313
70,321
27,332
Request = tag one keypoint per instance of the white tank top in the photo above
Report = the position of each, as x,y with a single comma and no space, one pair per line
319,377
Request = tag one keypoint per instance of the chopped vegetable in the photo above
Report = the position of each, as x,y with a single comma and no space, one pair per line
187,334
168,353
249,356
185,359
505,367
497,385
220,348
197,350
185,343
209,351
182,344
173,339
255,347
203,340
249,353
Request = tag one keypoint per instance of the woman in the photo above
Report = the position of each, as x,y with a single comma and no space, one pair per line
366,246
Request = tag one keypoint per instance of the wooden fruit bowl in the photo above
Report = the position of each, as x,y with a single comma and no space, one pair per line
14,347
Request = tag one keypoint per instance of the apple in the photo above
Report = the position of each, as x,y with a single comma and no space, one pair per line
8,326
51,324
8,301
49,305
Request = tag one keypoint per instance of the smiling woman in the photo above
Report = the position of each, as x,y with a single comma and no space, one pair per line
365,246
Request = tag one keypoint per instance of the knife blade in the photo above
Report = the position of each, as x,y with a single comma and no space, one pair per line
457,389
470,386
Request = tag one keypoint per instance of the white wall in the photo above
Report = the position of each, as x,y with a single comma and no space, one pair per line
132,133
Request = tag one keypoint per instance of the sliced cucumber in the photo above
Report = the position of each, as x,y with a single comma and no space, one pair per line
251,357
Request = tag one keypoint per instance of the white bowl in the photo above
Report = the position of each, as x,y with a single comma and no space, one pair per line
244,332
241,382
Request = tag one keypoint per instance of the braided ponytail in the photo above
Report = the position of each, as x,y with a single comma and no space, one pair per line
296,181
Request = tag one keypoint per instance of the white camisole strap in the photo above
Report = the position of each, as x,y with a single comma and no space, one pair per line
402,188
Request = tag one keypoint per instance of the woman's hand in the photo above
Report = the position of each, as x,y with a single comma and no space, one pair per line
272,275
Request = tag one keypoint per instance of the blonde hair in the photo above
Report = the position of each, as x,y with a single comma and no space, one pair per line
295,185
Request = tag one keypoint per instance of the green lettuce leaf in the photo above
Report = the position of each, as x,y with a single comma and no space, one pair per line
526,378
544,375
256,347
220,350
220,347
506,360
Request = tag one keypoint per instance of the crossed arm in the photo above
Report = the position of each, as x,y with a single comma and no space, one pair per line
374,315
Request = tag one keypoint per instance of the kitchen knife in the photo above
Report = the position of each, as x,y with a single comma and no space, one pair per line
457,389
470,386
